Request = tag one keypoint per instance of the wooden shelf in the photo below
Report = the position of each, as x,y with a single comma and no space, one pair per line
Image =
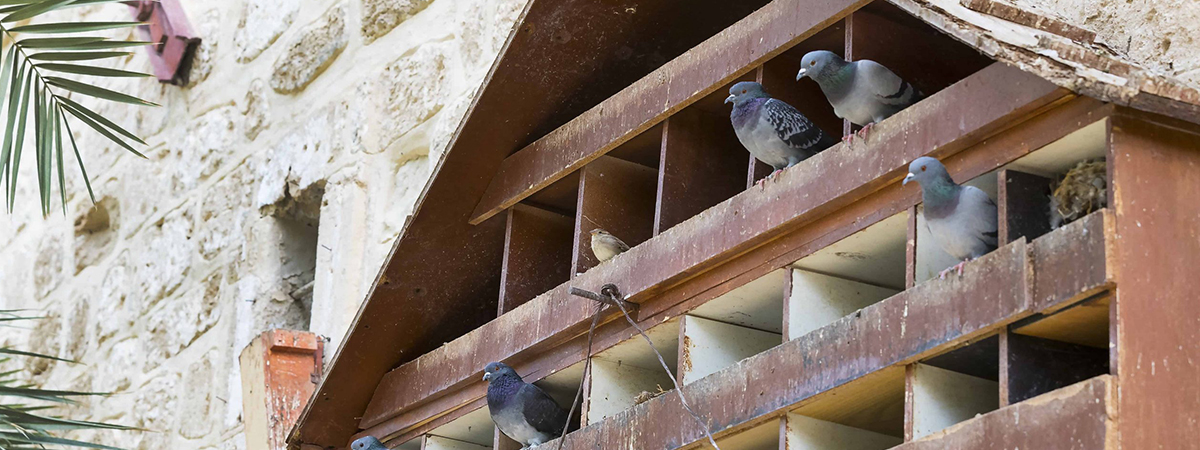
537,254
618,196
807,433
629,368
942,398
707,346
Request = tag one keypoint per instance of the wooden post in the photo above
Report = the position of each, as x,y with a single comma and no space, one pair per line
1155,182
280,370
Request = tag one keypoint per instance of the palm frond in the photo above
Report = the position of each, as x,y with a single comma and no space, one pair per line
38,73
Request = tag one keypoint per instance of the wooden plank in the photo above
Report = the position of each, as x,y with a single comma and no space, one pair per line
1031,19
700,165
1036,366
873,402
537,254
617,196
984,104
1085,246
440,443
502,442
699,71
910,248
922,321
1085,323
1156,179
1024,205
942,398
1078,417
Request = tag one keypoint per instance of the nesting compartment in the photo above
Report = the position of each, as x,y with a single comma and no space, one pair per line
622,373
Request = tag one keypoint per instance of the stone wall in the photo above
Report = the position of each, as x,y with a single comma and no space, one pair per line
275,185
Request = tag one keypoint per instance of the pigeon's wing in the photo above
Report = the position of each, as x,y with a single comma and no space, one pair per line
978,215
541,411
886,86
794,128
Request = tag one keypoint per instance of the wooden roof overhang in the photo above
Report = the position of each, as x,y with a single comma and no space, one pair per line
433,293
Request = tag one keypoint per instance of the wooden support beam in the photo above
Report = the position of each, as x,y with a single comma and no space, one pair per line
677,84
960,116
1156,181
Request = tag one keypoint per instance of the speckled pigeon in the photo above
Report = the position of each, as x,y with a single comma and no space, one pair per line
863,92
773,131
367,443
521,410
962,219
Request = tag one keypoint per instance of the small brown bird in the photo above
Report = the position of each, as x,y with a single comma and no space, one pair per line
605,245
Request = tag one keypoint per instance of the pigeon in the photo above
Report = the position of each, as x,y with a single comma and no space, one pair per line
961,219
863,92
772,130
605,246
522,411
367,443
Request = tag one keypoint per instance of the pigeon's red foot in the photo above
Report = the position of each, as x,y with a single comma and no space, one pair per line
848,139
862,133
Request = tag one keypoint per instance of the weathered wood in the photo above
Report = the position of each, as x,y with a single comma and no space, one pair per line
960,116
617,196
1085,246
502,442
1036,366
537,254
925,320
1030,19
1024,205
1084,323
677,84
1156,179
1078,417
910,248
700,165
873,402
943,398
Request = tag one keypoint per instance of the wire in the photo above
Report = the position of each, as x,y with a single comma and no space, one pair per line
587,365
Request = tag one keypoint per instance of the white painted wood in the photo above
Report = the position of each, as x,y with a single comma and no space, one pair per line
762,437
433,442
561,385
1059,156
818,300
412,444
942,398
615,385
757,304
709,346
474,427
875,255
807,433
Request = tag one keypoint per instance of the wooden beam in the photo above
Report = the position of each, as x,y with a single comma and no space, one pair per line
1156,180
965,114
677,84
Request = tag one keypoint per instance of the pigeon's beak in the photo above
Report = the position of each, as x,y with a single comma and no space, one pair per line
487,376
802,73
729,99
908,178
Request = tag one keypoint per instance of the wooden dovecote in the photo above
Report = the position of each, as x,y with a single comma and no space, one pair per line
805,312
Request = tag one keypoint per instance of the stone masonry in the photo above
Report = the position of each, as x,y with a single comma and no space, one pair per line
275,185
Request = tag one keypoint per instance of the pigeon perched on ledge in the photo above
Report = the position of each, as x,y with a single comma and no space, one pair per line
605,246
772,130
863,92
367,443
522,411
961,219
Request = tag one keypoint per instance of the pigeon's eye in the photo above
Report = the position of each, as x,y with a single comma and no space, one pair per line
922,168
812,63
743,91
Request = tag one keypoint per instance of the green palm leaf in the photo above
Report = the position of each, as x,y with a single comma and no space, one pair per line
76,56
91,70
72,27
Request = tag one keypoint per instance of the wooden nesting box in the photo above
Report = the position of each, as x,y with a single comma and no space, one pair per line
805,313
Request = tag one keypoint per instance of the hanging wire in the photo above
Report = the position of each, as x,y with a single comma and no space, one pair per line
587,365
611,295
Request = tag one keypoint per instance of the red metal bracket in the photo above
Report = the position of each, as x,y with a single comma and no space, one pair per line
167,25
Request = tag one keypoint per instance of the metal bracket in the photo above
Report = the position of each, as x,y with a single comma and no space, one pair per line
167,25
609,295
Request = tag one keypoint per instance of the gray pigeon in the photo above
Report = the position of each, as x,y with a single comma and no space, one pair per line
962,219
521,410
367,443
773,131
863,92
